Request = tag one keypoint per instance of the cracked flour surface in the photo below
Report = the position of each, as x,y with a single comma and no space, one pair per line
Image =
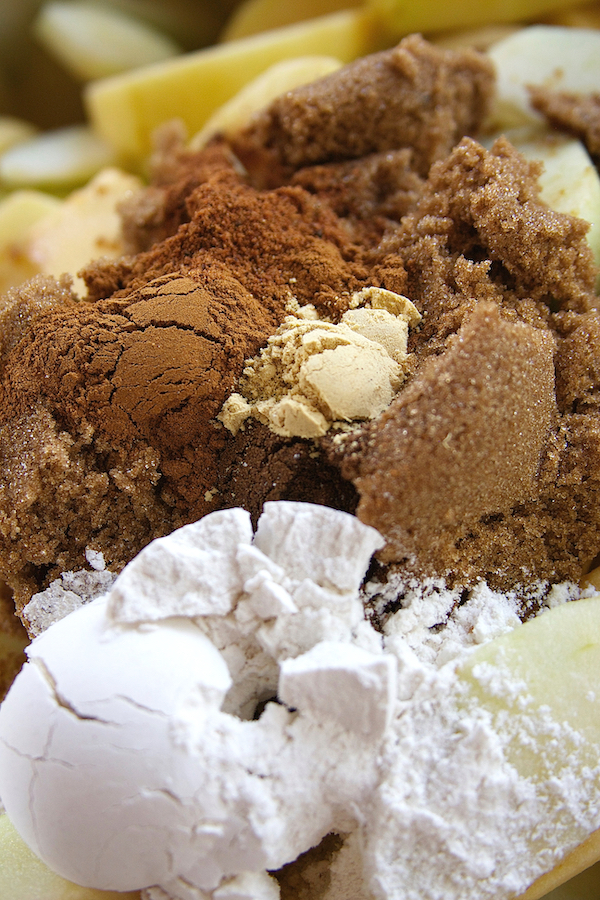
141,743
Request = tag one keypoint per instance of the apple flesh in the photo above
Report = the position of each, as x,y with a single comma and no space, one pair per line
254,16
401,17
84,227
18,212
55,160
558,58
25,877
127,108
547,670
96,41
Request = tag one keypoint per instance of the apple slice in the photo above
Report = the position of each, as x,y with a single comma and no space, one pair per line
538,681
14,131
562,59
85,226
401,17
18,212
258,93
94,41
255,16
126,109
25,877
56,160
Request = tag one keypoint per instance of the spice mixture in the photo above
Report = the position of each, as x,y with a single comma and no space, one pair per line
484,466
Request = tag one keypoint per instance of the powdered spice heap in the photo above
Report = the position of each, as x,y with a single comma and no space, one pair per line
115,400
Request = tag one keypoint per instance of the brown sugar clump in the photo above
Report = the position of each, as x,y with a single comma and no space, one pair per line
576,114
480,232
414,95
465,439
371,194
478,235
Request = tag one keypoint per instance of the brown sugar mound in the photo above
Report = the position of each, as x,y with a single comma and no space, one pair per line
576,114
465,439
480,232
371,194
486,465
505,287
414,95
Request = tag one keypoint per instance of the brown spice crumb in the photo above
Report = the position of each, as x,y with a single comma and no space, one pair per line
576,114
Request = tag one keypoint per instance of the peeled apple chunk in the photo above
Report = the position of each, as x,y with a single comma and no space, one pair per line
14,131
83,227
557,58
255,16
280,77
551,662
25,877
19,211
94,41
540,682
402,17
56,160
126,109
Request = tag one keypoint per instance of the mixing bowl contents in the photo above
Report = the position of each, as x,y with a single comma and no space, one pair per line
300,484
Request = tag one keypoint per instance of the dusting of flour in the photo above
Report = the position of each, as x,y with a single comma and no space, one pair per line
439,622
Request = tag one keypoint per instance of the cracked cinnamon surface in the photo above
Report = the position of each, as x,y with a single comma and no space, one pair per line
487,463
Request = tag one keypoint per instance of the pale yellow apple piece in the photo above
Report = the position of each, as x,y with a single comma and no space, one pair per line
404,16
584,15
561,59
18,212
56,160
84,227
25,877
569,635
280,77
255,16
481,38
126,109
553,662
570,182
576,865
93,41
14,131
